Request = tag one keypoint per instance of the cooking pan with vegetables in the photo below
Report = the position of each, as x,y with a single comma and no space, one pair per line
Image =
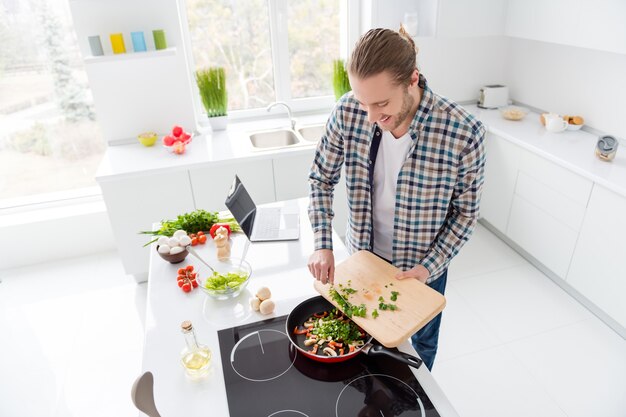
321,332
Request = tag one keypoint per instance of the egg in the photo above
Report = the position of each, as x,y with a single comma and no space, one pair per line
263,293
164,249
179,233
173,242
176,249
267,306
184,240
255,303
163,240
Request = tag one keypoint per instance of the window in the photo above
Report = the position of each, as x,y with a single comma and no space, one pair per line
271,49
50,144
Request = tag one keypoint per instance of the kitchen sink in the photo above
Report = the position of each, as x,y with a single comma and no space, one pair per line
274,138
312,133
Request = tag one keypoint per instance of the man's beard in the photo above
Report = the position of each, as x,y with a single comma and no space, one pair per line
407,104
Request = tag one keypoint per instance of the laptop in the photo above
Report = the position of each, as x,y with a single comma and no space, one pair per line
265,223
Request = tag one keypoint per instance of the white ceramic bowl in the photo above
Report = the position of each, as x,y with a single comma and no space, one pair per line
574,127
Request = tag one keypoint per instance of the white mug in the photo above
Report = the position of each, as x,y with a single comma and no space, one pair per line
555,123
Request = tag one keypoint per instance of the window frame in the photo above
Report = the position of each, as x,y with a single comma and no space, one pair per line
350,13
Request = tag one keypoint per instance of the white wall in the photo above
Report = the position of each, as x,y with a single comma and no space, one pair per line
569,80
458,67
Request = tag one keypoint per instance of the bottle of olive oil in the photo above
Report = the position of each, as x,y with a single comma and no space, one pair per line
196,358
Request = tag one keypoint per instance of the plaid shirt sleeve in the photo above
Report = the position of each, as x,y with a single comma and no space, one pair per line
324,175
464,207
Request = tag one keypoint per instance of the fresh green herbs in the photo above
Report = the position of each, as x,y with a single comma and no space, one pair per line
193,222
337,328
394,295
348,308
384,306
374,313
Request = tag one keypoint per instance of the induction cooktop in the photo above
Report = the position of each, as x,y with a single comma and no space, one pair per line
265,376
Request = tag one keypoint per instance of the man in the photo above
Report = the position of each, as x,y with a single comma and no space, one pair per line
414,164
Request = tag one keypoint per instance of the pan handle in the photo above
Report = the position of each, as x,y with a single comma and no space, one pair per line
410,360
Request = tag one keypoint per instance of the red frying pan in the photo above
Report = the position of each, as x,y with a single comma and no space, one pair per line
317,305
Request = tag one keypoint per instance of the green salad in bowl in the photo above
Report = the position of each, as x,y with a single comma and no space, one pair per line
230,278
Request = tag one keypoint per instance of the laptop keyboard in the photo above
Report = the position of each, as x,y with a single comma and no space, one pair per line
267,223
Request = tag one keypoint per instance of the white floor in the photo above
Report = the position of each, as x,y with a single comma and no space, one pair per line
512,342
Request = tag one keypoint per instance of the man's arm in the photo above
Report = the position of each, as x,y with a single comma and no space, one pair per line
323,177
464,207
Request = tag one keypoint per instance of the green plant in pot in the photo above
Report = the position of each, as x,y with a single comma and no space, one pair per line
212,86
341,83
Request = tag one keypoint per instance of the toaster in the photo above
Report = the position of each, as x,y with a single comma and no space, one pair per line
493,96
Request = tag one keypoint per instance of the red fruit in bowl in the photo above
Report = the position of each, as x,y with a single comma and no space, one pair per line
185,136
168,140
177,130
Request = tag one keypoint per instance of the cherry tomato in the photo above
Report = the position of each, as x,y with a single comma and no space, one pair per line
200,233
181,282
186,287
194,241
177,131
181,271
189,268
192,235
194,283
202,239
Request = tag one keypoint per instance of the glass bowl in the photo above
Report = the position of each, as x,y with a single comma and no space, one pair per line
513,112
231,278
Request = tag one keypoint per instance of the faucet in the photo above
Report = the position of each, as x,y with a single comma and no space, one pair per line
282,103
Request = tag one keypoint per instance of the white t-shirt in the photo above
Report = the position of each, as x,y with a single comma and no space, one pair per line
391,156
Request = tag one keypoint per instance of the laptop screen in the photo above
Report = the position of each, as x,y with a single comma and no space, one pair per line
241,206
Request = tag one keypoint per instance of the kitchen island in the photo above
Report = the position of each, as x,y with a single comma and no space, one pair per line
281,266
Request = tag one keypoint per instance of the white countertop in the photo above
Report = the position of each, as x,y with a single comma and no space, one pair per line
281,266
573,150
134,159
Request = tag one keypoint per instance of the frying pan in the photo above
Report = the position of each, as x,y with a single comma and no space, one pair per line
319,304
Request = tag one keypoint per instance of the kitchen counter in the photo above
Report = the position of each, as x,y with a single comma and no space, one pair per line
213,148
281,266
573,150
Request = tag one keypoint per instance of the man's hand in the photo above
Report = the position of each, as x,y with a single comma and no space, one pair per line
322,265
419,272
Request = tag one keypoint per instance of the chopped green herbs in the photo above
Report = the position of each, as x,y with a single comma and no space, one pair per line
374,313
348,308
394,295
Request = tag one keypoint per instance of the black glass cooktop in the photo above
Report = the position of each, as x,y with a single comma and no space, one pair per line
265,376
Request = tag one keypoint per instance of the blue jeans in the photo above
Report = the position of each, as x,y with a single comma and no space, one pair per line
425,341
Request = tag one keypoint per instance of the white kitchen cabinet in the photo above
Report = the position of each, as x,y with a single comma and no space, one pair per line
291,175
547,211
584,23
134,204
598,268
542,235
137,91
501,167
211,184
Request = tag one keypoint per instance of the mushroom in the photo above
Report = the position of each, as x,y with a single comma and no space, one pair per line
263,293
329,351
266,306
309,342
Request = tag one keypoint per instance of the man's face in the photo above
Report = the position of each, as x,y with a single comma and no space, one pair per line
386,103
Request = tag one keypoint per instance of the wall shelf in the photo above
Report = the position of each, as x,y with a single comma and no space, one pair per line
130,56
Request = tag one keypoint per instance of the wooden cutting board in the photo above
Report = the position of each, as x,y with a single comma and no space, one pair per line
372,277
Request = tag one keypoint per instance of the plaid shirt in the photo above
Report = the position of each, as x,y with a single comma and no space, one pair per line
439,184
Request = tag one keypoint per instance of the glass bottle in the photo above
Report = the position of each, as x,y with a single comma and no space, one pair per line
195,358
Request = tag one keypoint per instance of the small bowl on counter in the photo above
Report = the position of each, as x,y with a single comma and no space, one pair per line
173,258
231,277
513,112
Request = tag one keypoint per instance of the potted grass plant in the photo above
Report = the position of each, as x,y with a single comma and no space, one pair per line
341,83
212,86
